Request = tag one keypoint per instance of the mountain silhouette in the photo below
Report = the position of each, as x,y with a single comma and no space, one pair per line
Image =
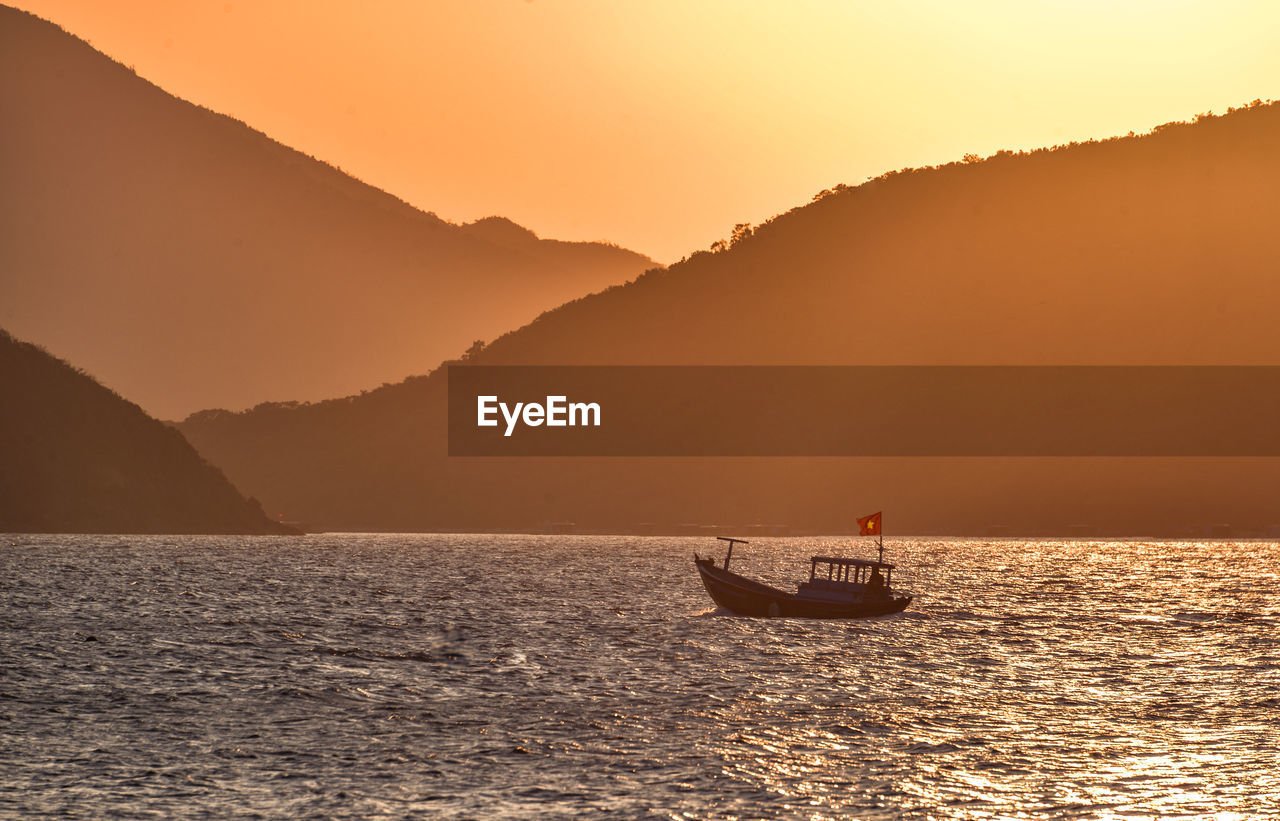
1157,249
189,261
76,458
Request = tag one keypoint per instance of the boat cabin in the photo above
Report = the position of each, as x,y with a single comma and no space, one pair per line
833,578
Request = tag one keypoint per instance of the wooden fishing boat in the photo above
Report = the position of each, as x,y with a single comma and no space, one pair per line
838,588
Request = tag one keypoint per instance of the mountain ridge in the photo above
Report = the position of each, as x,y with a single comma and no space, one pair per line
78,458
1152,249
190,260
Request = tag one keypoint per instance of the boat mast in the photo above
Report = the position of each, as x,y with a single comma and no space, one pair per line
731,542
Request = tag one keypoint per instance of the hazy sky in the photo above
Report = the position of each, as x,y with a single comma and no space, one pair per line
659,124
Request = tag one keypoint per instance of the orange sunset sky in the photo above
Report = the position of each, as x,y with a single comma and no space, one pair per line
660,124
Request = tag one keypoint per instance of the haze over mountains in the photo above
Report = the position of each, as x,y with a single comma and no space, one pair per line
1157,249
189,261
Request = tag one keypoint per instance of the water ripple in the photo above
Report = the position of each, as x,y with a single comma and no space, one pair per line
390,676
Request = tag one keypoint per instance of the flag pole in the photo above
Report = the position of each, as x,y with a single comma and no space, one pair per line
873,525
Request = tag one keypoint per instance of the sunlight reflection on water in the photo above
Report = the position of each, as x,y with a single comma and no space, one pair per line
385,676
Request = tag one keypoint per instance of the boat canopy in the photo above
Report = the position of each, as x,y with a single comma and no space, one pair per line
847,570
861,562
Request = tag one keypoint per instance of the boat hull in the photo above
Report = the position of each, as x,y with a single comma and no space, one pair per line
746,597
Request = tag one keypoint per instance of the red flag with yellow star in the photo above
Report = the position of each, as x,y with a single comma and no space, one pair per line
869,525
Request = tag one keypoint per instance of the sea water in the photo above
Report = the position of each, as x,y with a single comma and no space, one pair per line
455,676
